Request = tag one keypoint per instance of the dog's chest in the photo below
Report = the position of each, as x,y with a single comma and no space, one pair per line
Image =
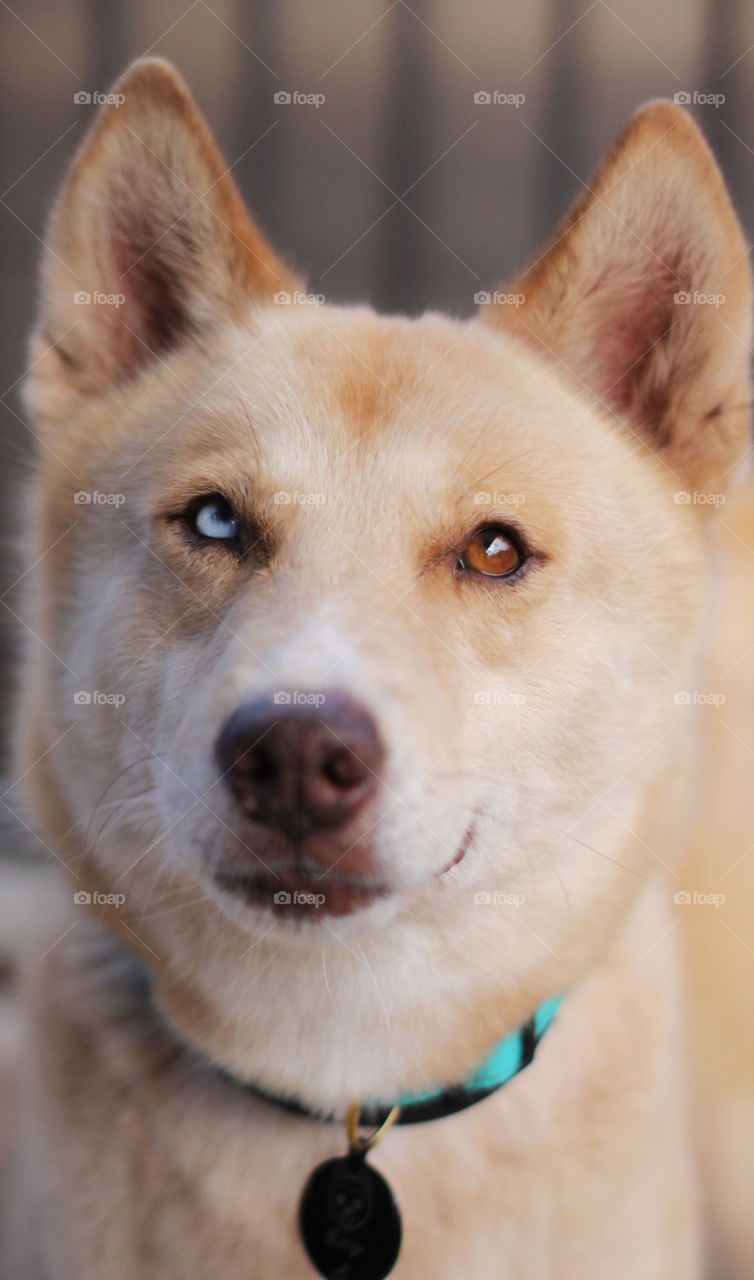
529,1184
578,1166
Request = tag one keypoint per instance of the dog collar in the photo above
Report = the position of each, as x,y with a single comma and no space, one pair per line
509,1057
349,1221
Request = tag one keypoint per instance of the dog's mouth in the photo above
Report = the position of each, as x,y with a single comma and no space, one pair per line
462,849
300,893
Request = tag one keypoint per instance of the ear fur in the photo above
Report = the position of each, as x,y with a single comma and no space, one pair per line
644,299
149,245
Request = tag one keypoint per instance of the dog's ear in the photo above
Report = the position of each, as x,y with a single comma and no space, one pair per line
149,245
643,297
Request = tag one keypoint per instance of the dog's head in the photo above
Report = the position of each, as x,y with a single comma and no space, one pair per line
361,644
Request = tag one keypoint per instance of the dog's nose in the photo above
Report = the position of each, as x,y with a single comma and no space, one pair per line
301,767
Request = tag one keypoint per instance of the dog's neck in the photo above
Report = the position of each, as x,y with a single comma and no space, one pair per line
511,1055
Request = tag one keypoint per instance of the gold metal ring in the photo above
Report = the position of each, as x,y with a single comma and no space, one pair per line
360,1144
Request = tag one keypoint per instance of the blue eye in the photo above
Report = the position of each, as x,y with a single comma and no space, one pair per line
215,519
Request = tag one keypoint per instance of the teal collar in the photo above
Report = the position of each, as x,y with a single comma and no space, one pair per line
509,1057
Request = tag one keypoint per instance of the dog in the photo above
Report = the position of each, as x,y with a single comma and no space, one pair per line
353,702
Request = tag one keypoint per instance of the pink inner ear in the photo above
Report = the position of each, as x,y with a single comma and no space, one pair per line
148,258
630,350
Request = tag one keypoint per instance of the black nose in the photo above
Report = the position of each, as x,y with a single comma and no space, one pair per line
300,766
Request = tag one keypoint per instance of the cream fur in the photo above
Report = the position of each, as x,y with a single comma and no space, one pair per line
579,760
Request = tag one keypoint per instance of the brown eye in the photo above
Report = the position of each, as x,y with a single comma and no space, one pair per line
494,551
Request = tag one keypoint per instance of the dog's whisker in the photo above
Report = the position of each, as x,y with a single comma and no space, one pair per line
325,977
118,810
139,760
568,835
180,906
159,873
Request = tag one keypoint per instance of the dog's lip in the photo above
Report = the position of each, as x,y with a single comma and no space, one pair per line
297,893
462,849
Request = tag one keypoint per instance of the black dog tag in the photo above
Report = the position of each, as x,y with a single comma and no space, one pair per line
349,1220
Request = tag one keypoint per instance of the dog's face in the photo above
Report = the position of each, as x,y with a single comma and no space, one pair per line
387,619
366,553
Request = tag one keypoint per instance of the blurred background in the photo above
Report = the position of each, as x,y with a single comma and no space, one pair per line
444,143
